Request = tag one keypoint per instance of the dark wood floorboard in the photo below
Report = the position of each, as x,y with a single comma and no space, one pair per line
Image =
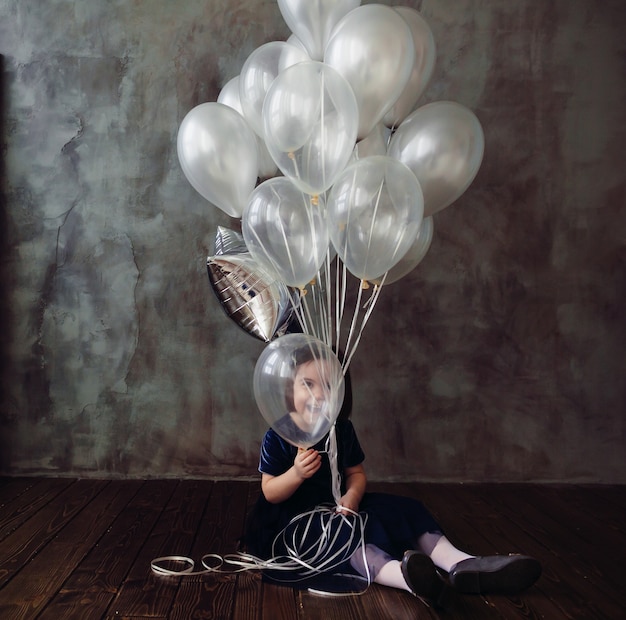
81,549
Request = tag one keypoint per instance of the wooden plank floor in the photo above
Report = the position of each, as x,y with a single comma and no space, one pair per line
82,549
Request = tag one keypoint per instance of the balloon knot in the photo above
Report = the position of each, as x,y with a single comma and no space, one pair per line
315,200
365,284
291,155
303,291
312,282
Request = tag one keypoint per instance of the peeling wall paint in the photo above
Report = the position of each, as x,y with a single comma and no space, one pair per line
499,358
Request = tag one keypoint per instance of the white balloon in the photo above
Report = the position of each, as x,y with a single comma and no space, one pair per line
218,154
312,21
443,144
372,47
229,95
423,66
258,73
293,40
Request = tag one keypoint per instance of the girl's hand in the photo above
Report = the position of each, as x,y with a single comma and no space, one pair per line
350,502
307,462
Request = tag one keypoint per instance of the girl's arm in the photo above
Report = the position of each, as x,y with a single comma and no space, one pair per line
356,481
277,489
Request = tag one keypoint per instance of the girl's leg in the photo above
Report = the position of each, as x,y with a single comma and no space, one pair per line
441,551
390,575
416,573
383,569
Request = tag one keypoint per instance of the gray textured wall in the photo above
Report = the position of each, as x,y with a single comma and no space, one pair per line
499,358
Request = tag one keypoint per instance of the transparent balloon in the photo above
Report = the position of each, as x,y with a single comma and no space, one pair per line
443,144
258,73
423,66
286,231
414,255
229,95
218,154
310,119
375,210
372,47
299,388
312,21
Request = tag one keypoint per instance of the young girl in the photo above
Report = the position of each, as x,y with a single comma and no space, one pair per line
404,545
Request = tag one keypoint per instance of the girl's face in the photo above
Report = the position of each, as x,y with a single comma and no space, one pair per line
311,389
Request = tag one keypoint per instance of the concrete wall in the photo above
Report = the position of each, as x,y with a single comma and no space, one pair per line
499,358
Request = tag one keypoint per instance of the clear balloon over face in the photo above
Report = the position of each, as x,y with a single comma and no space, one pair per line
299,388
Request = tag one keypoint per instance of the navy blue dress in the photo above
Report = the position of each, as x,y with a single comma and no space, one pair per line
394,523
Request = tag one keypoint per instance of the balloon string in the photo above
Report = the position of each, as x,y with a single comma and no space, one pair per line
371,303
341,536
355,315
328,296
323,128
373,221
285,237
318,290
309,316
298,310
331,449
296,172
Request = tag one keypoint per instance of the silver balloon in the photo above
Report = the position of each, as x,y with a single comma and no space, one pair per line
312,21
218,154
443,144
228,241
229,95
254,300
372,47
423,66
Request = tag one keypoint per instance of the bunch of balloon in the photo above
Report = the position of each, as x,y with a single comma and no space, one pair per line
319,147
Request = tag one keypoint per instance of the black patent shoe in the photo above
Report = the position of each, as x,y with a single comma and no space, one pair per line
422,577
495,574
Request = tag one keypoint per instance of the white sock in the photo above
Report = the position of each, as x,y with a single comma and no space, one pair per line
391,575
445,555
